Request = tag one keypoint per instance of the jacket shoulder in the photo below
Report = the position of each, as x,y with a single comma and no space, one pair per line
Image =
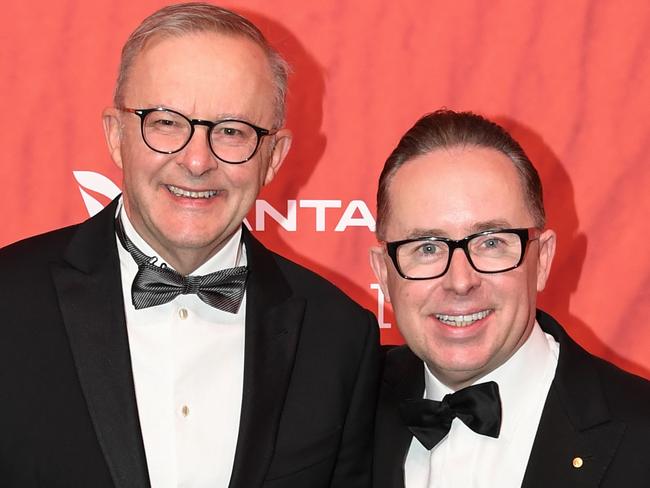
628,395
36,250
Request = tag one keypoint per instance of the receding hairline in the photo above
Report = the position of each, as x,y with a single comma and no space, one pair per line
160,37
453,147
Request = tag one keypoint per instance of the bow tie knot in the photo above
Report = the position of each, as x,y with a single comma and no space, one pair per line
191,285
438,412
477,406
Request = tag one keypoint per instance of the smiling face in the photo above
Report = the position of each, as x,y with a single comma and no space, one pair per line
187,204
454,193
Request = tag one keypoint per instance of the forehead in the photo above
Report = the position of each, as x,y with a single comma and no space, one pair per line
201,71
455,192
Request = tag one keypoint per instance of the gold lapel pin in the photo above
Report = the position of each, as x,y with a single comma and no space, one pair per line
577,462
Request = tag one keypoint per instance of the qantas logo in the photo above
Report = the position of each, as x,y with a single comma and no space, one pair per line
89,180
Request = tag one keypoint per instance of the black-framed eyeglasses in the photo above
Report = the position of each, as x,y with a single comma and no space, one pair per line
491,251
167,131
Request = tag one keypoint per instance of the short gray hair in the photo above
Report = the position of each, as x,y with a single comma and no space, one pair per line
186,18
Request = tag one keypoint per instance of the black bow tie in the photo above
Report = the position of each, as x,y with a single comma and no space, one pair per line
478,406
155,285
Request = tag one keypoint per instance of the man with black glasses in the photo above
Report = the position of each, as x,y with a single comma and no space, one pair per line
159,343
488,391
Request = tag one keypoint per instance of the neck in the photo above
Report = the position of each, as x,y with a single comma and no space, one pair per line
186,261
457,381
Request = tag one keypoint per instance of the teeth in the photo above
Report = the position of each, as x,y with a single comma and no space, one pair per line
179,192
462,320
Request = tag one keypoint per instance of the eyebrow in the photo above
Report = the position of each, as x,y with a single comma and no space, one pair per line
220,117
228,115
474,228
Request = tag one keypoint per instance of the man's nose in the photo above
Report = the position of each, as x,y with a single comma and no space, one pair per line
460,278
196,156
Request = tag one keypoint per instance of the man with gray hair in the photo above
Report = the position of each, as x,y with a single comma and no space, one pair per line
488,391
162,345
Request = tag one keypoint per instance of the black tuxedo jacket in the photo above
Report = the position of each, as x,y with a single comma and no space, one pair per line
593,411
68,413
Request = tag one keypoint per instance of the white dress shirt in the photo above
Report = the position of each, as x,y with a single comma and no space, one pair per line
188,367
465,459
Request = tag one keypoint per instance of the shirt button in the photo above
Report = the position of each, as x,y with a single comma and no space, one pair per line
182,313
185,410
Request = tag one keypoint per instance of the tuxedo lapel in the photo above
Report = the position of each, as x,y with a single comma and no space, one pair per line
576,423
90,297
403,379
273,321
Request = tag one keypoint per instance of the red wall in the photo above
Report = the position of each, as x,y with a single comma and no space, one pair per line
569,79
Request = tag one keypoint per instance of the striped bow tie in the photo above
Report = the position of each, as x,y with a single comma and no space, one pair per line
155,285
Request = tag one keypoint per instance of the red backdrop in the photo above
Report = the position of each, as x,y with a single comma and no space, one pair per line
569,79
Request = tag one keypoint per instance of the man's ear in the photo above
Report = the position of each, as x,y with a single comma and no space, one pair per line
378,265
280,150
113,133
546,253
